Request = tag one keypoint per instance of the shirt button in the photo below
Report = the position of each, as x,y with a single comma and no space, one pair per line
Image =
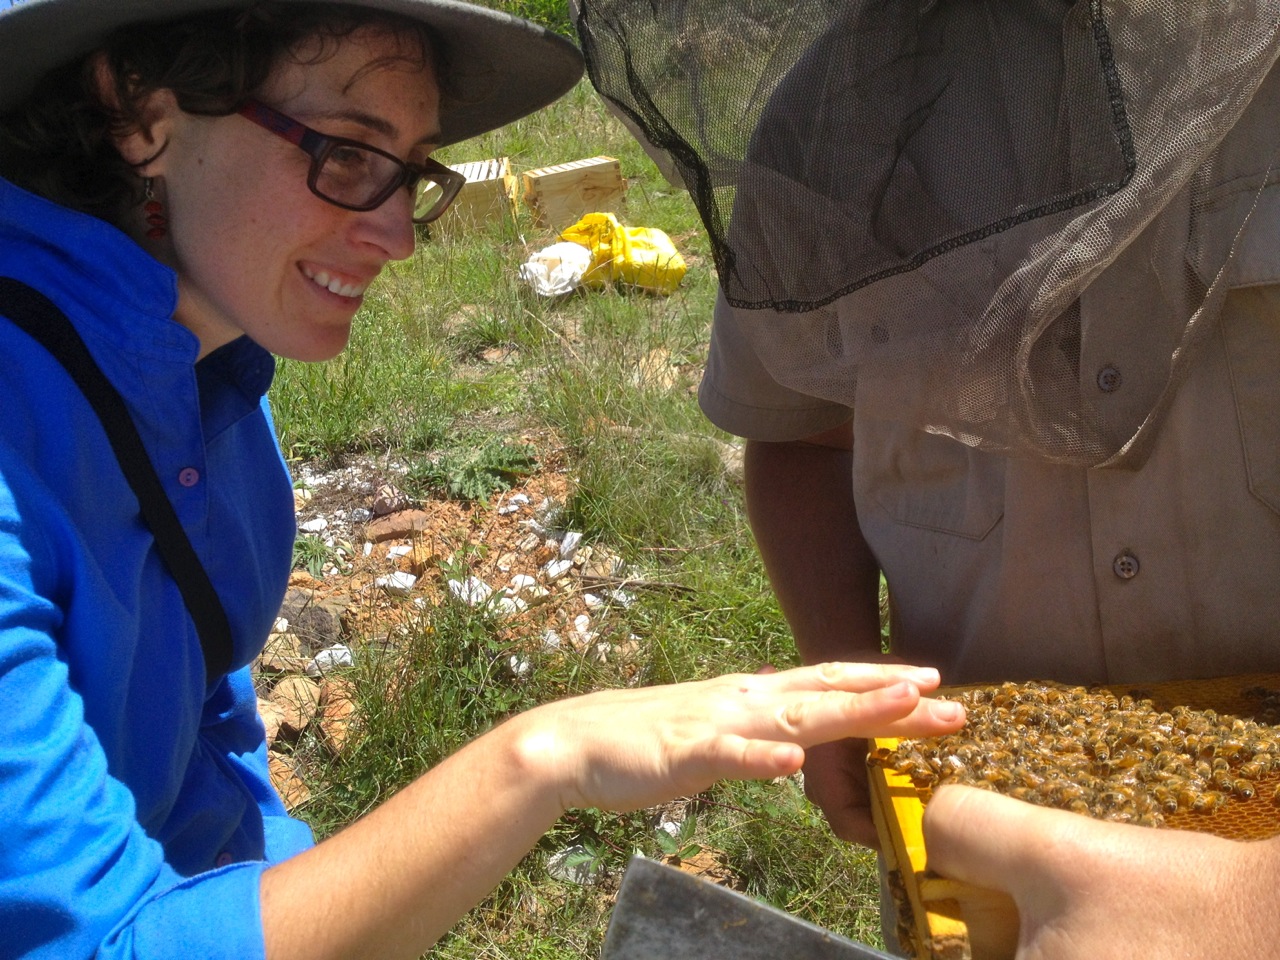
1125,565
224,859
189,476
1109,379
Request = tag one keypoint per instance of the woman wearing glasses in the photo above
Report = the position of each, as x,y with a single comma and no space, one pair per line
186,191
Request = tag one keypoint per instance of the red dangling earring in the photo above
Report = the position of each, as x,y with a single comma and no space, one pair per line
157,222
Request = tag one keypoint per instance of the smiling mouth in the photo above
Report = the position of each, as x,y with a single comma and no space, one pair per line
334,284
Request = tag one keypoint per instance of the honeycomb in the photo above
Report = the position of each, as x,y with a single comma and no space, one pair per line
1202,756
1199,755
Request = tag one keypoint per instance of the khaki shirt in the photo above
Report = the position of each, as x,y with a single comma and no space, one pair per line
1004,568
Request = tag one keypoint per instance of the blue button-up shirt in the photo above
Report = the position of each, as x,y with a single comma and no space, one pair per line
138,813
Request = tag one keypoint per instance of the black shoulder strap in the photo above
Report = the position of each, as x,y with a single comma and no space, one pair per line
36,315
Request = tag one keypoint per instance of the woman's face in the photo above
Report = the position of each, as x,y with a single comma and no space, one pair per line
255,250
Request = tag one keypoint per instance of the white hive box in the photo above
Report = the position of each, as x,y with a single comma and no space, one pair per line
558,196
489,194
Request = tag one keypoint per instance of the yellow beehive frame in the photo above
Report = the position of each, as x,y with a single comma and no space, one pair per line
957,921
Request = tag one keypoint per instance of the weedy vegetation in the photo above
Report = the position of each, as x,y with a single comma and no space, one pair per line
649,482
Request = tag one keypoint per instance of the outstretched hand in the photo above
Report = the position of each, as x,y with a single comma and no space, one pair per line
625,749
1091,890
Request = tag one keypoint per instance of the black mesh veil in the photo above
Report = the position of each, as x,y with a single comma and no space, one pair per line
908,201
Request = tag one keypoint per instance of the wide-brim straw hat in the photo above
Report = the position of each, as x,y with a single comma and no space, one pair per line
500,67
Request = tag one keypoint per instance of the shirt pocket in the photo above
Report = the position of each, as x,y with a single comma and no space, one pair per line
927,481
1250,318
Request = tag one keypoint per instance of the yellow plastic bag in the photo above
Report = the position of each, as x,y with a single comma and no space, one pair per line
639,256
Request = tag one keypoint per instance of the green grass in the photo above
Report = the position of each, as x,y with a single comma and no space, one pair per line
649,484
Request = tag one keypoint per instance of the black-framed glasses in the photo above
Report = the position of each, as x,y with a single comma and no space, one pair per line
356,176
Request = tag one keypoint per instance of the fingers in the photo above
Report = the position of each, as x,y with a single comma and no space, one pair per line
987,839
895,710
835,781
851,677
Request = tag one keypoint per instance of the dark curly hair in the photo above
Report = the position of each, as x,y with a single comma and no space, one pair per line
60,142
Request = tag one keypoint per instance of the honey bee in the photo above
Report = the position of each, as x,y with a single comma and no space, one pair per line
1253,769
1207,802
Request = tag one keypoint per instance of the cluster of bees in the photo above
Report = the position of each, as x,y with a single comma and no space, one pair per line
1090,751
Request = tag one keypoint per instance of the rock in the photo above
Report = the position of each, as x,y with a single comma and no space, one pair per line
288,782
401,525
472,591
317,525
423,556
569,545
299,700
388,499
555,569
329,659
337,710
602,564
317,622
521,583
397,584
272,715
282,653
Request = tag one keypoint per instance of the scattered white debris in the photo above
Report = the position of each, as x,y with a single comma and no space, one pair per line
510,606
513,505
569,545
551,640
670,825
398,584
368,547
555,569
399,550
329,659
521,583
592,601
314,526
621,597
472,591
573,865
280,626
520,666
361,515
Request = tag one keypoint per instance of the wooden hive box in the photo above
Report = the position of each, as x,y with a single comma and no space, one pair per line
948,920
558,196
489,194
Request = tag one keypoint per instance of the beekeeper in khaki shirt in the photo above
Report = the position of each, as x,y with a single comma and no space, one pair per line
1162,561
1000,317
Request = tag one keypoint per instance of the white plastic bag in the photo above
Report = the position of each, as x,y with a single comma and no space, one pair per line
556,269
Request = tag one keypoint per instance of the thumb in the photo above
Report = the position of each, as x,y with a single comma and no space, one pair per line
980,837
